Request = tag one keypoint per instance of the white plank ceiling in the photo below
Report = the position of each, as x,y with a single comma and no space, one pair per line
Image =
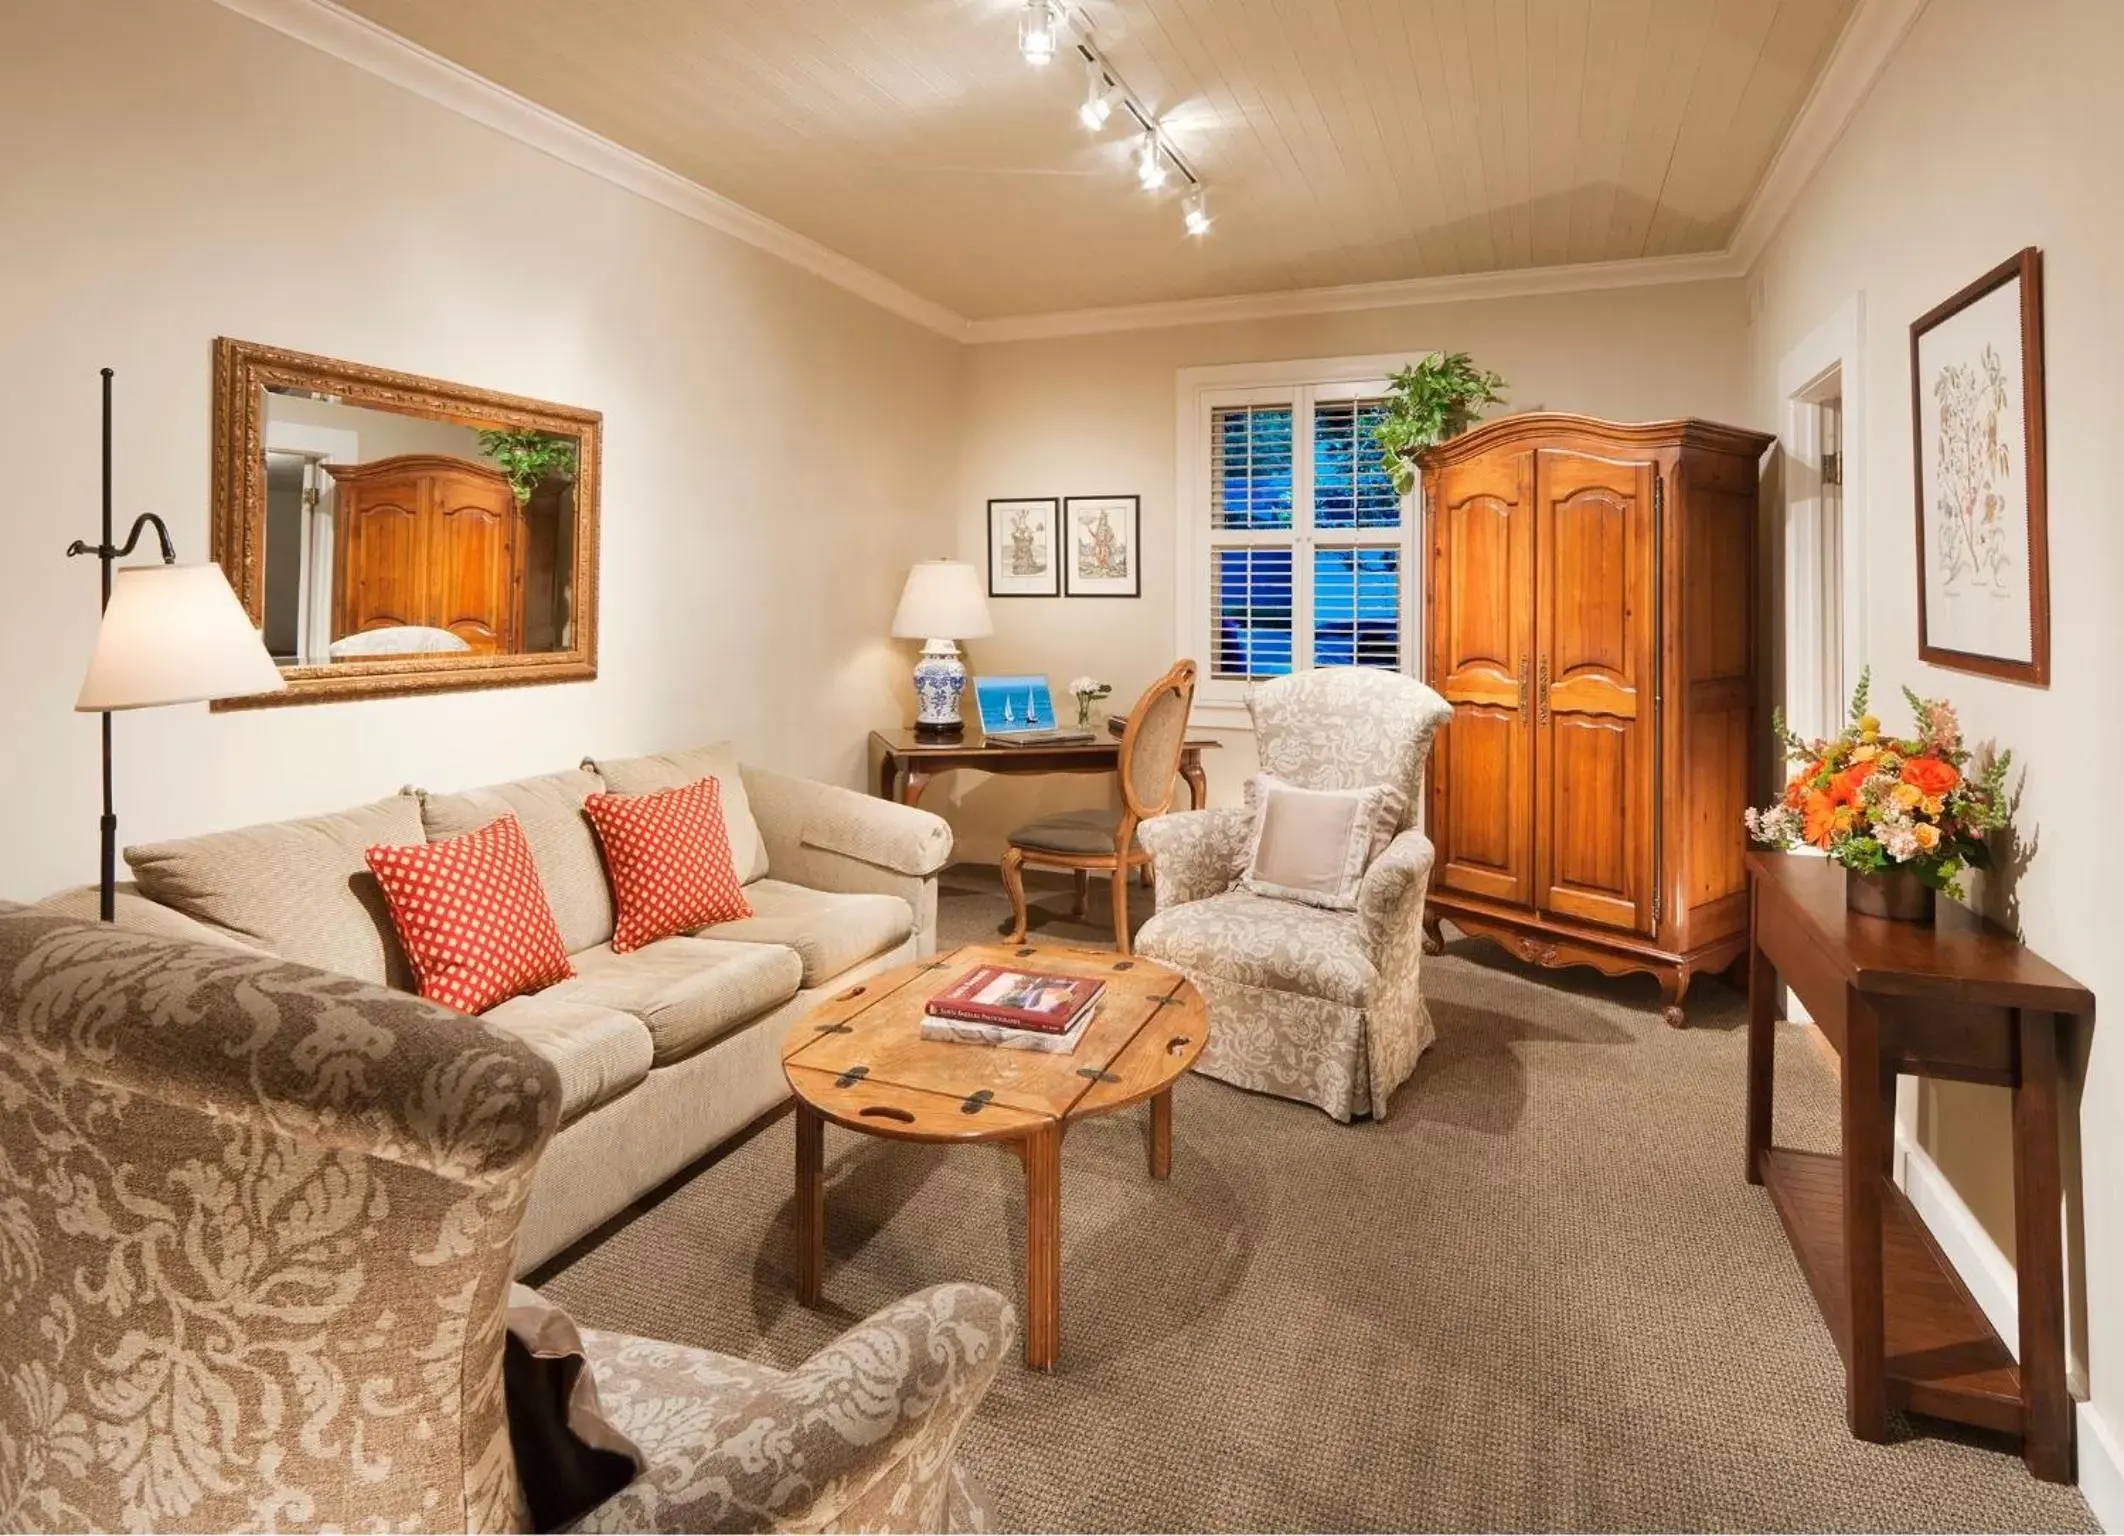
1342,141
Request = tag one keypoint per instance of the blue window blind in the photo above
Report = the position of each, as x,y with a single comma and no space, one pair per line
1251,625
1351,488
1356,607
1250,466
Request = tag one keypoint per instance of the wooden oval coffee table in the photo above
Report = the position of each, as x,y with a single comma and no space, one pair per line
861,1062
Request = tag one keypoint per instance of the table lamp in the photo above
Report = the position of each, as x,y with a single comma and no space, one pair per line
171,634
941,605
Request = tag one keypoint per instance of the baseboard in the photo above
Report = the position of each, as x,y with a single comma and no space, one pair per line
2101,1468
1987,1271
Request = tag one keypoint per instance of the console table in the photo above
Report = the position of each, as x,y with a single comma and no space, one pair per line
1959,999
907,762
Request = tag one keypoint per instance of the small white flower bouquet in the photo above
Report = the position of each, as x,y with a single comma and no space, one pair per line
1088,691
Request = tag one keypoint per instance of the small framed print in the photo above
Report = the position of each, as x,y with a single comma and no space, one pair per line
1101,550
1024,548
1983,539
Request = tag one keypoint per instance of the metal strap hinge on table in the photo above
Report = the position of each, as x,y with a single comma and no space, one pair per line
976,1101
851,1077
1097,1075
836,1029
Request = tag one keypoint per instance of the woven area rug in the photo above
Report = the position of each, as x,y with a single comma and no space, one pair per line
1538,1296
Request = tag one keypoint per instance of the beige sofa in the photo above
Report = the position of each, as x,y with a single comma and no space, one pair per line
662,1053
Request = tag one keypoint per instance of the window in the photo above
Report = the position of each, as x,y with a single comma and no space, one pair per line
1293,543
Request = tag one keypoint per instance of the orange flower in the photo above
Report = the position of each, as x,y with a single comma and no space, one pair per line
1930,776
1820,819
1845,791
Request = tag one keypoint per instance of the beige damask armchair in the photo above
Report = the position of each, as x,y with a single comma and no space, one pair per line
1307,1003
256,1231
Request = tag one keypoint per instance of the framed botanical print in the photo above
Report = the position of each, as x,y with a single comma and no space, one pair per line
1983,538
1024,548
1101,553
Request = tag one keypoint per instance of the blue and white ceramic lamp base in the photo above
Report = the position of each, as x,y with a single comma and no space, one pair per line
940,683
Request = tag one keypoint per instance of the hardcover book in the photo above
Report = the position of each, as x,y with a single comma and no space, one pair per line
1036,1000
965,1032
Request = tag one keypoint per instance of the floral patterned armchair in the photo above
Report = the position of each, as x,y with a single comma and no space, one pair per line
1310,1004
256,1231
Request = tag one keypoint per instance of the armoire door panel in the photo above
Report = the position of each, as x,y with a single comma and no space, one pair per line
1481,661
377,559
474,564
1595,632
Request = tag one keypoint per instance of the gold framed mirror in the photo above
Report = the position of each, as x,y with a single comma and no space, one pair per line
391,534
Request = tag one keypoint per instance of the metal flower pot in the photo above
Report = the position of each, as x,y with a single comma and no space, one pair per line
1896,894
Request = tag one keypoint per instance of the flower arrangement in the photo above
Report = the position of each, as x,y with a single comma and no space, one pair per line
1878,803
1088,691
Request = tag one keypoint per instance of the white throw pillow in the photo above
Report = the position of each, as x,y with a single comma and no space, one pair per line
1314,845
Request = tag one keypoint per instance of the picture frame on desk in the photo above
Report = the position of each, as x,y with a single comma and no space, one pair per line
1024,547
1102,546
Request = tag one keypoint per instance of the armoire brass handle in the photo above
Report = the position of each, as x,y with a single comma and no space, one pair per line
1544,690
1522,687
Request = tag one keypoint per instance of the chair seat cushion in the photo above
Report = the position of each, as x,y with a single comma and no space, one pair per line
599,1052
1071,832
687,992
1259,941
829,930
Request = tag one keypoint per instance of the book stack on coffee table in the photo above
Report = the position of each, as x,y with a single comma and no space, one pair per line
1017,1010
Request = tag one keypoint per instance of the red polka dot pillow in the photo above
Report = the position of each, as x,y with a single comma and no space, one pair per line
669,858
472,916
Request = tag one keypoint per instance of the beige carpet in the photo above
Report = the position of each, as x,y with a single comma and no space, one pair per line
1539,1296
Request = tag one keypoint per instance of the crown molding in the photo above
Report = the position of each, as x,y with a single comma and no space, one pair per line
1871,36
1875,29
368,47
1518,282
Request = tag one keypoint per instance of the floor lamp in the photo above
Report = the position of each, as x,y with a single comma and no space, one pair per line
171,634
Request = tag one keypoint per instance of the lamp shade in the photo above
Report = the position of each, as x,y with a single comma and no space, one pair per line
942,600
174,634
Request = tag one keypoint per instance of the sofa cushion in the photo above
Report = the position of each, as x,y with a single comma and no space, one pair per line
687,992
298,889
668,856
472,916
829,930
1264,942
599,1052
673,770
550,808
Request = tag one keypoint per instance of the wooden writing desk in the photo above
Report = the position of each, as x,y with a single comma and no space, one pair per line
1960,999
908,762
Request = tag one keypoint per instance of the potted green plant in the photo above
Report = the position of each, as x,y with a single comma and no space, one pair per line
1437,398
529,458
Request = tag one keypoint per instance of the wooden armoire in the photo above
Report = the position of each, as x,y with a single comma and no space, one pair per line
428,539
1590,616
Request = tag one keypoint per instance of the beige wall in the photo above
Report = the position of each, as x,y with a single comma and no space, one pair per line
776,451
1097,415
1998,126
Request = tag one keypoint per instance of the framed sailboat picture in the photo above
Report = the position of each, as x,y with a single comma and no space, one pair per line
1976,384
1101,547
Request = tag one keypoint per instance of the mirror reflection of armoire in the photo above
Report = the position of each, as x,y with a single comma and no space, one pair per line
434,540
1589,608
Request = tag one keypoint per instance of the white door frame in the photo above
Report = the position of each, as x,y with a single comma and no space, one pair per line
1834,346
318,446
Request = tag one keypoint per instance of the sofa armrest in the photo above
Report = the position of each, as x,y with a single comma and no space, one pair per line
1196,854
859,1437
142,915
1390,897
235,1034
835,839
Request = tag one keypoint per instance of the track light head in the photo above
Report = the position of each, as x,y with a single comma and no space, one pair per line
1039,31
1150,162
1195,212
1099,94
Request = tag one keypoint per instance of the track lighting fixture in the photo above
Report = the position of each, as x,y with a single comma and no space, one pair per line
1039,29
1195,211
1150,162
1099,95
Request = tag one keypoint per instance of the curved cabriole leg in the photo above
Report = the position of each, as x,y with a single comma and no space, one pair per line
1674,986
1433,935
1014,883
